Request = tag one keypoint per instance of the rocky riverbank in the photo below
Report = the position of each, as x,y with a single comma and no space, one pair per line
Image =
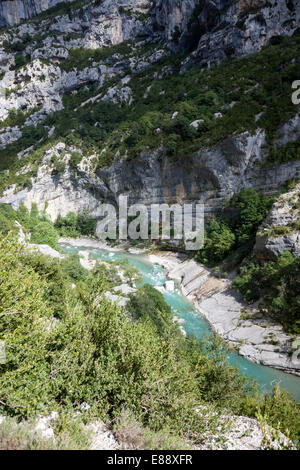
242,326
89,243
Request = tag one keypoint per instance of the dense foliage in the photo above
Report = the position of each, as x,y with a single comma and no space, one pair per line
42,230
278,282
75,225
237,232
149,303
87,350
40,227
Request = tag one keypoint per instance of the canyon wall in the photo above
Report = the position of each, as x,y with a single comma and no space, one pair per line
15,11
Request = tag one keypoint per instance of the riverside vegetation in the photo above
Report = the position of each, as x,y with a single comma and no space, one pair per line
69,345
68,348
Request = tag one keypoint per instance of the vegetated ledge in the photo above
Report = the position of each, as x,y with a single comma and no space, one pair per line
256,338
235,433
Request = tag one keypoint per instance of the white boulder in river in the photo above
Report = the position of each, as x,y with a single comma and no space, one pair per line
85,260
169,286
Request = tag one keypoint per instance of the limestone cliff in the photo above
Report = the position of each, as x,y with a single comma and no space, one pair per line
57,63
226,29
15,11
281,229
154,178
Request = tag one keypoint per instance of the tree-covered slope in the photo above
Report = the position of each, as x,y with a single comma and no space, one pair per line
89,352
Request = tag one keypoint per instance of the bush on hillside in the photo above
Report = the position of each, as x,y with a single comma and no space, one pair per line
278,283
226,234
75,225
44,233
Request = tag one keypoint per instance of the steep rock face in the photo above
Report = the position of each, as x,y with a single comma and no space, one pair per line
208,176
225,28
281,229
44,82
14,11
61,195
173,14
213,29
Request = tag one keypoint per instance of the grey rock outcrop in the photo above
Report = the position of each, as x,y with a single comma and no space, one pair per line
14,11
225,28
281,229
61,195
43,82
210,175
255,338
173,16
213,29
44,250
269,248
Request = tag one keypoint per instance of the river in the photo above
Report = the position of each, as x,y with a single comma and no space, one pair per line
196,325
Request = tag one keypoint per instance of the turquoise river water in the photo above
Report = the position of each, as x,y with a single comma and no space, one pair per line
194,324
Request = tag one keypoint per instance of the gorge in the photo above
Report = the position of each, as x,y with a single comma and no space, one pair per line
164,102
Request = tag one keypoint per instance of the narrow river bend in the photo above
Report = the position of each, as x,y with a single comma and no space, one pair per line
194,324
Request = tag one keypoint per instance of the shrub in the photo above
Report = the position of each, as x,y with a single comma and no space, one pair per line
20,61
53,271
131,432
237,232
73,268
149,303
44,233
86,225
59,165
278,282
219,240
253,208
75,159
98,355
277,407
81,58
15,117
75,225
7,218
248,281
285,153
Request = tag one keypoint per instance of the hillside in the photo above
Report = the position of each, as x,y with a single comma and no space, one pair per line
166,101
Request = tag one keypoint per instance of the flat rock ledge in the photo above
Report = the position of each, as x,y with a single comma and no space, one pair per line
241,325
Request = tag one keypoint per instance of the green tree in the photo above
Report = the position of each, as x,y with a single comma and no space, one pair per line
218,242
149,303
73,268
253,208
24,313
85,224
44,233
278,283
